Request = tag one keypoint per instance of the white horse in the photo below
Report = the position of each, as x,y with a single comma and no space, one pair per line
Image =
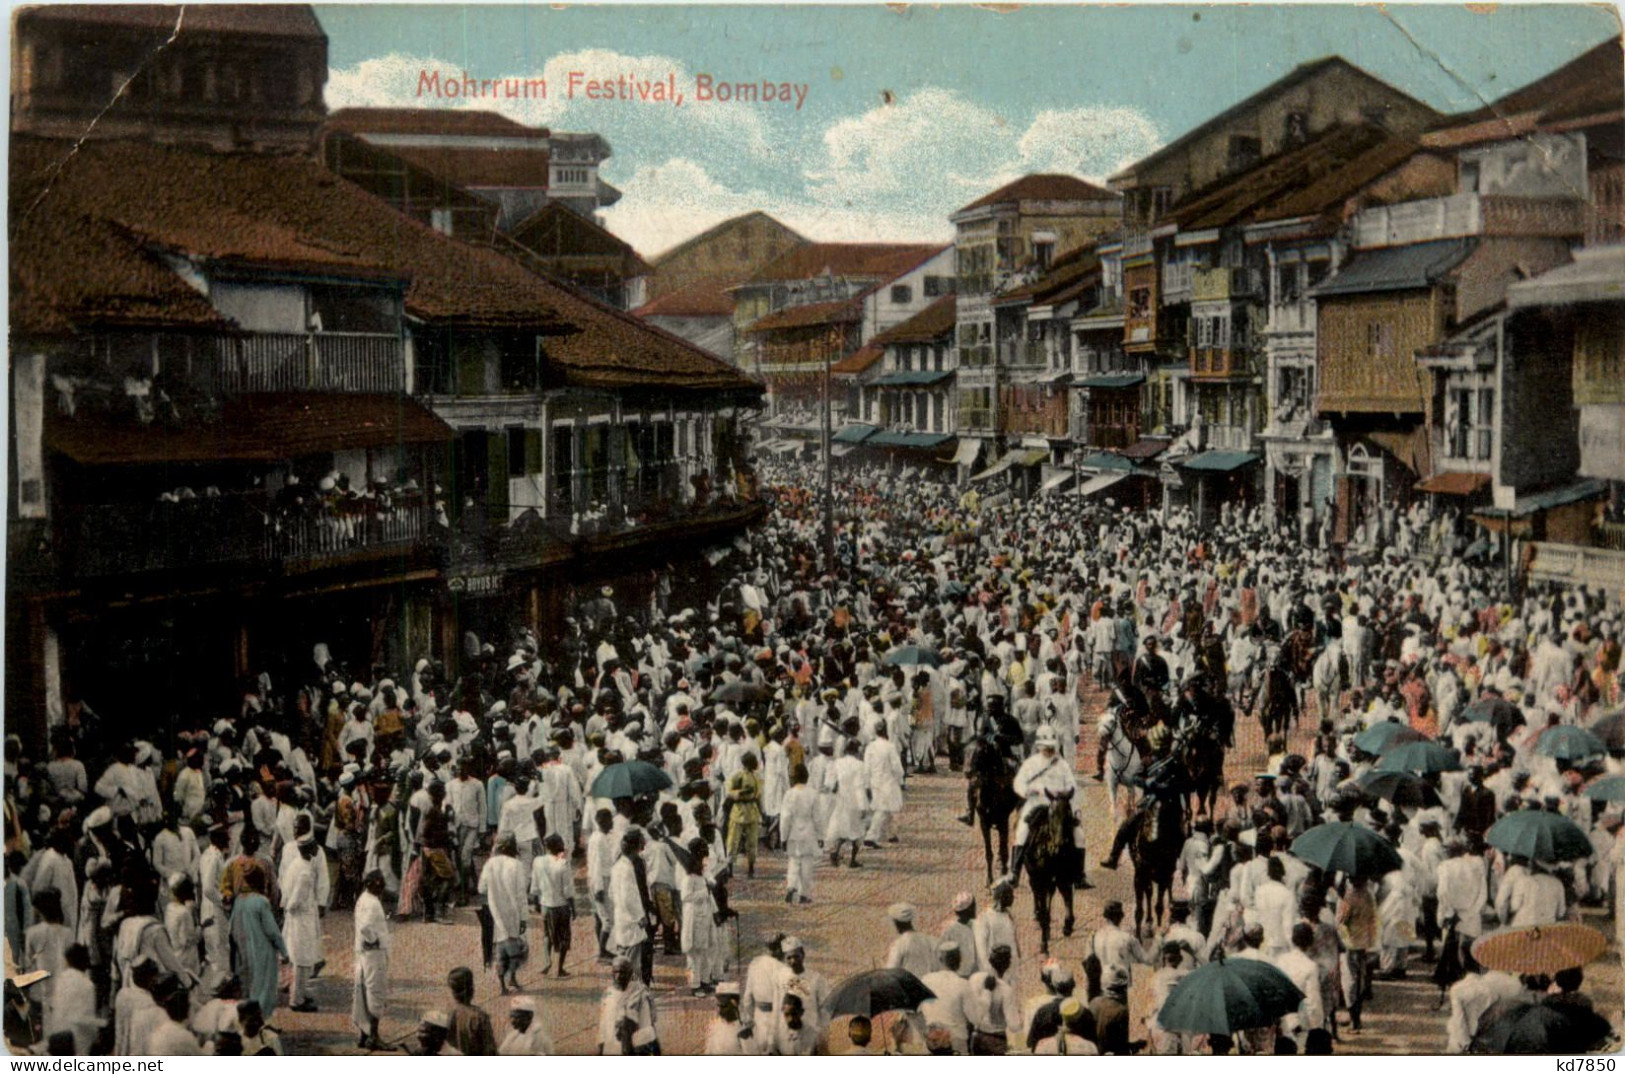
1121,765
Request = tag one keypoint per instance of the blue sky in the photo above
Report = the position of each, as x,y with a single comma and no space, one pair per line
910,113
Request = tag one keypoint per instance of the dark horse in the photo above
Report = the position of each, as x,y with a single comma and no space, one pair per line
1154,850
1278,706
1201,755
1054,863
991,800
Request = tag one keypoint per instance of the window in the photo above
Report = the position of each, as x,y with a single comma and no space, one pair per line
1287,283
902,294
1379,339
937,286
440,220
1204,331
1139,303
1161,198
1319,269
1295,130
1043,253
519,362
1469,423
1244,152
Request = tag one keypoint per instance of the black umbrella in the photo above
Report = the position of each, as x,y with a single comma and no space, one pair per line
1519,1027
1610,727
1504,715
742,692
1405,789
874,992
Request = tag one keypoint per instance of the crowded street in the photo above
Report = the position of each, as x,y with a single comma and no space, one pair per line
383,867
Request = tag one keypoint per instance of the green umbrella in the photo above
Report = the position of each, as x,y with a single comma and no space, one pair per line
1568,744
1381,737
1606,789
629,779
913,656
1537,834
1351,849
1227,996
1493,710
1422,757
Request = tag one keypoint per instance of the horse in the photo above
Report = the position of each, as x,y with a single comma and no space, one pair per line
1120,762
1054,863
1201,755
1155,851
993,799
1278,706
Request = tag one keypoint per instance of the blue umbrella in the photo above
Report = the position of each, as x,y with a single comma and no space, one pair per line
1564,743
1227,996
1606,789
1379,738
1422,757
629,779
1539,835
913,656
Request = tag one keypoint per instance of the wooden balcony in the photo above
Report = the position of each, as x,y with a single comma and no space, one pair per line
1219,284
1112,436
1219,363
310,361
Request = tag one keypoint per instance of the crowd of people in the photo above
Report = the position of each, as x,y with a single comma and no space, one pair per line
168,897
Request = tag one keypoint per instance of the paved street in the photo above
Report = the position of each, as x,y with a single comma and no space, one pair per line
845,930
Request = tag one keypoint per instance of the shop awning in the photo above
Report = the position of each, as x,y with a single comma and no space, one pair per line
905,378
256,428
782,447
1060,378
907,440
837,450
1014,457
1562,496
968,452
1112,380
854,434
1454,483
1100,482
1146,448
1220,462
1060,480
1105,460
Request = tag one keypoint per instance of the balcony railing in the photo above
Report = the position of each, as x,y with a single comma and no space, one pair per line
1610,535
1218,362
1113,436
95,541
312,361
976,420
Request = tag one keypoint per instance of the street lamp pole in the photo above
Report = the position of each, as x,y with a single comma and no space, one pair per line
829,489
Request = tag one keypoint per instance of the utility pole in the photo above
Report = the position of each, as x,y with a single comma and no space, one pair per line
829,487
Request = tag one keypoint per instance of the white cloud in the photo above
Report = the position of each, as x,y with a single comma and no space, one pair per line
1091,143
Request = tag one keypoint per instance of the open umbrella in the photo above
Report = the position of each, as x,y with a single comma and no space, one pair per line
1541,949
1420,757
1569,744
1227,996
629,779
1610,727
913,656
1493,710
1537,834
874,992
741,692
1606,789
1519,1027
1379,738
1351,849
1404,789
956,590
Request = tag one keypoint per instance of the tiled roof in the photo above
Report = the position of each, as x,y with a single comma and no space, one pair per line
716,230
927,326
807,316
704,298
253,209
1327,194
1397,268
448,121
1079,267
554,231
1284,178
519,167
267,20
873,260
1591,84
252,428
1043,187
859,361
85,225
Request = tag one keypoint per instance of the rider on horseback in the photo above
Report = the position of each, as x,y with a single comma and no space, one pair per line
1165,781
1041,780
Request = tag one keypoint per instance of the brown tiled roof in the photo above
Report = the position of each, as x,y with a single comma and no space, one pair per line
807,316
1043,187
859,360
252,428
519,167
1078,269
449,121
554,231
263,210
614,349
704,298
1590,85
270,20
715,230
929,325
873,260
